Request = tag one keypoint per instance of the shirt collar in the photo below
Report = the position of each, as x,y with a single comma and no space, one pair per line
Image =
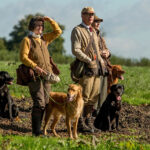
34,35
86,26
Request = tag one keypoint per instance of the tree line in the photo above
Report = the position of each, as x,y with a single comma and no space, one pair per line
9,49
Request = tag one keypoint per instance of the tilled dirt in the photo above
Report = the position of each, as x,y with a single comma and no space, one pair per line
134,120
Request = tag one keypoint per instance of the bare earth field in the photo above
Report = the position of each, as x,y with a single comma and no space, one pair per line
134,121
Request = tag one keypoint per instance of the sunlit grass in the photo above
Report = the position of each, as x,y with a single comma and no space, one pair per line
89,142
136,82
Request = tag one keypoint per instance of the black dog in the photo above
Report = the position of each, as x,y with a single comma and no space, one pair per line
7,107
108,116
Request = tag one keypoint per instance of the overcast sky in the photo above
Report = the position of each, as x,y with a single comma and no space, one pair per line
126,22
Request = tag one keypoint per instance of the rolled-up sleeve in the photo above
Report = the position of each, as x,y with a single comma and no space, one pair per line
76,46
49,37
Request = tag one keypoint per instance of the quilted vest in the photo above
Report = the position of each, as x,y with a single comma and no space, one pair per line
84,42
39,54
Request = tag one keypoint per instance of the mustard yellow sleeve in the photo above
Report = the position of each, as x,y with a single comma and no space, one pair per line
24,52
49,37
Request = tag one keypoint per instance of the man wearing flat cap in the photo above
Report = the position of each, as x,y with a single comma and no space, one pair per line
105,54
85,47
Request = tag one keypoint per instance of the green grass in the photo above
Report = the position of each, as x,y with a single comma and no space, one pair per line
137,85
105,142
136,82
137,91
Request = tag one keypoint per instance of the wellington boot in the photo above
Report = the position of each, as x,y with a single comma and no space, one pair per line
82,127
37,115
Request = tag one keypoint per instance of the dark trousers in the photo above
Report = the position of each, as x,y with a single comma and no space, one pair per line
39,91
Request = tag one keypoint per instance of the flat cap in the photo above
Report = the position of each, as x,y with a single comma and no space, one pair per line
97,18
87,10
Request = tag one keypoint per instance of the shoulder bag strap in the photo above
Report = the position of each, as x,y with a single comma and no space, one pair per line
90,42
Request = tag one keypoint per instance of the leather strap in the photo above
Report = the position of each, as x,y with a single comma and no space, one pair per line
90,42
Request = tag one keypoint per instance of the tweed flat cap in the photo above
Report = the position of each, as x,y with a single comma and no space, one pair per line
87,10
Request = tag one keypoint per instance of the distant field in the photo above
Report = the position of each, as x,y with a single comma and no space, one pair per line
136,82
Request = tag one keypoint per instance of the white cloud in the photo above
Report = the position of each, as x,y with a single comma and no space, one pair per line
126,23
125,47
130,20
128,32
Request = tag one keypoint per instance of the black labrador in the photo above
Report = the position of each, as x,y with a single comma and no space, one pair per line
7,107
108,116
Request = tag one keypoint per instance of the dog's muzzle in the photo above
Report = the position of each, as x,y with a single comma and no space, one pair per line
121,77
70,98
9,81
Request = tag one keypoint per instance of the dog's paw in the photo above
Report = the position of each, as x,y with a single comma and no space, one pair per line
45,133
55,134
76,136
71,137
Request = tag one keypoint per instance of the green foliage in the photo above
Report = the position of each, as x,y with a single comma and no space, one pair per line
56,47
2,43
130,62
6,55
89,142
62,59
20,30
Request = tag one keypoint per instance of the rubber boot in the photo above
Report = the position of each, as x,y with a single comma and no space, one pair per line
89,122
89,119
82,127
37,116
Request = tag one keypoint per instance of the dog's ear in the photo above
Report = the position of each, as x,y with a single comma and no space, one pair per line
122,87
113,87
1,78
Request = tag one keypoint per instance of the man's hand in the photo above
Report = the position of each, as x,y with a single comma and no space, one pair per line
92,64
105,54
40,71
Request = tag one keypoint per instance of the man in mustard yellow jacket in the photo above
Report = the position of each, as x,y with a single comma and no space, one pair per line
34,54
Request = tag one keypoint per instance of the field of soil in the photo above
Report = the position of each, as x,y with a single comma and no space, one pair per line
134,120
